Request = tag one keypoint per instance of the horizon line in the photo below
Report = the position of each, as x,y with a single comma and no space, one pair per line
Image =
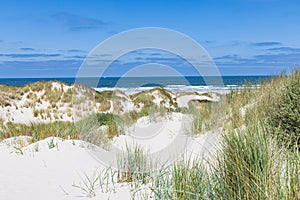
137,76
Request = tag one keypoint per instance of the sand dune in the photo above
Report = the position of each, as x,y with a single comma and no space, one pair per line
48,169
54,168
44,102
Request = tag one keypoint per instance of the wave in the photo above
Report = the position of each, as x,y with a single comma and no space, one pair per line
178,88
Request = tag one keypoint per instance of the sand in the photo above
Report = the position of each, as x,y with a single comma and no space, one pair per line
48,173
48,169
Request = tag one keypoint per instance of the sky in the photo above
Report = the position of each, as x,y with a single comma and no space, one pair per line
243,37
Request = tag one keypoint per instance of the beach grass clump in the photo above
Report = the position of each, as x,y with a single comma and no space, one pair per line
113,122
206,115
236,100
276,102
104,106
284,116
67,96
251,165
201,112
39,131
131,117
52,143
104,99
53,95
185,179
276,105
133,164
99,128
9,94
38,86
88,184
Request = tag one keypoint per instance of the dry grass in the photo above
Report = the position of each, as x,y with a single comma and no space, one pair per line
254,159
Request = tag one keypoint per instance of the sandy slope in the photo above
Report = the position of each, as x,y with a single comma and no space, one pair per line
154,135
49,173
50,168
35,106
42,172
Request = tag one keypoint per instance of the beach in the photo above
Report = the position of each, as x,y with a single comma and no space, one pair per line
62,141
56,168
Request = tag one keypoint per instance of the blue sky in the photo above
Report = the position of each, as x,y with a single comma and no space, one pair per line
244,37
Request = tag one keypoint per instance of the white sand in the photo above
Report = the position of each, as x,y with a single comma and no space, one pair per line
183,101
153,136
38,171
42,172
49,173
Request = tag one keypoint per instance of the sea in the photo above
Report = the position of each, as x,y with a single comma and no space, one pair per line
136,84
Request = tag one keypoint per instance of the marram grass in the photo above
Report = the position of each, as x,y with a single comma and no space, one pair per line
251,165
258,157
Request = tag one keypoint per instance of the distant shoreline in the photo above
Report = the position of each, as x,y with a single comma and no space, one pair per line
212,82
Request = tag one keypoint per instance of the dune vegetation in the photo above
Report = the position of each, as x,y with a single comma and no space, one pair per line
62,110
257,158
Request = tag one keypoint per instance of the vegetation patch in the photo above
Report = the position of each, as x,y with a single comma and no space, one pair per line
284,115
112,121
133,165
39,131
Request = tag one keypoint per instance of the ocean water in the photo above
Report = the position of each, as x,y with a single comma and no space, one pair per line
189,83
